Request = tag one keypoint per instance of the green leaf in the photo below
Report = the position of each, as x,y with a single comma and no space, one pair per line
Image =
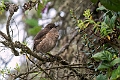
17,67
32,22
80,24
101,8
34,30
115,61
107,19
94,1
87,13
2,7
111,4
104,65
40,8
105,29
115,74
103,55
101,77
119,37
112,21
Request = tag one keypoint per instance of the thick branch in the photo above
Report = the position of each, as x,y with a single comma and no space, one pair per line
27,50
12,8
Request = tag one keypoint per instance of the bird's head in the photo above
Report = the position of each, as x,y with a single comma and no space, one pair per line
51,25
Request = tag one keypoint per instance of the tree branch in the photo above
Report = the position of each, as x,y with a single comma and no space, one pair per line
41,69
4,35
7,27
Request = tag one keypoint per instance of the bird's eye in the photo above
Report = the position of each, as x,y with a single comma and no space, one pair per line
51,26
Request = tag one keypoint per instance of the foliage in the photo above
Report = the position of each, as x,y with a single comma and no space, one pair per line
8,71
34,27
2,6
101,77
100,39
110,4
33,23
106,33
4,72
115,74
41,7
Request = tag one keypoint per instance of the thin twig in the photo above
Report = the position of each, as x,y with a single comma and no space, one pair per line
7,26
72,66
41,69
21,74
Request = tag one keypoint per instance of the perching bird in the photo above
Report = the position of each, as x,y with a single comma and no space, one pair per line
46,39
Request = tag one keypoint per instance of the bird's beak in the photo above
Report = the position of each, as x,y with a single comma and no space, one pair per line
56,26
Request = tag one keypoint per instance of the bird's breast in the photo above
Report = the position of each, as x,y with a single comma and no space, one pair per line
49,42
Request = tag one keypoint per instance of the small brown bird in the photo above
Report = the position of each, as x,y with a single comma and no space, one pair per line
46,39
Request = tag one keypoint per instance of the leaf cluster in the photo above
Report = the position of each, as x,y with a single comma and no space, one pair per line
102,39
110,4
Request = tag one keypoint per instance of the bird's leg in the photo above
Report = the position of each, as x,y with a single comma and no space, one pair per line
42,54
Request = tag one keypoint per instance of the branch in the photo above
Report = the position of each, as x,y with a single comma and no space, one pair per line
53,58
4,35
23,47
41,69
10,45
71,65
7,26
27,50
12,8
21,74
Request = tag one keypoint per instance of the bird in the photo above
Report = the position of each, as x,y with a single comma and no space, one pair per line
45,40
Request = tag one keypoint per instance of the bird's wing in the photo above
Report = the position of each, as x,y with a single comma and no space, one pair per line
39,37
41,33
48,42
